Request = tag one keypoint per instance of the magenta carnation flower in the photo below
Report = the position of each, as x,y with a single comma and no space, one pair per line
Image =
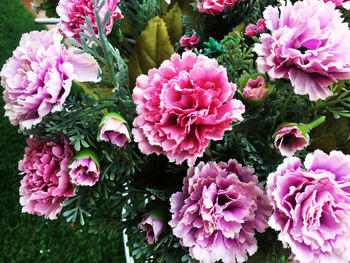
218,210
38,77
214,7
46,183
252,30
153,228
289,139
309,44
312,206
73,13
189,40
341,3
182,105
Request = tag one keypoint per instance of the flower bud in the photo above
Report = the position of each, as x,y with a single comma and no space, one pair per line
153,226
114,130
252,30
291,137
85,168
254,88
190,40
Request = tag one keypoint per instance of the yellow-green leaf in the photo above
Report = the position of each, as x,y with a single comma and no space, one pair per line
151,49
164,6
236,31
173,21
96,92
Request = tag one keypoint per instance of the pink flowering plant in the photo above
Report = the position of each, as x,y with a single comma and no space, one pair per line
190,146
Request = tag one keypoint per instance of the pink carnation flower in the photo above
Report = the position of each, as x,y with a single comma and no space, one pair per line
312,206
342,3
189,41
309,44
252,30
289,139
182,105
255,89
85,170
46,183
114,130
73,13
153,228
38,77
218,210
214,7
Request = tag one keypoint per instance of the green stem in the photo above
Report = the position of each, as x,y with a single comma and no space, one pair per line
104,41
313,124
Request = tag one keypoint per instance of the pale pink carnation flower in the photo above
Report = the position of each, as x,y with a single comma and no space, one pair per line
340,3
38,77
255,89
73,13
189,41
182,105
153,228
214,7
289,139
46,182
312,206
115,131
218,210
309,44
84,171
252,30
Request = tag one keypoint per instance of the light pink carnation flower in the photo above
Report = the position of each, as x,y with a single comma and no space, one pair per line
289,139
46,183
182,105
214,7
312,206
73,13
309,44
343,3
153,228
218,210
84,170
38,77
189,41
255,89
114,130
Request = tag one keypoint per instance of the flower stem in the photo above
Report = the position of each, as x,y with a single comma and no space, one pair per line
313,124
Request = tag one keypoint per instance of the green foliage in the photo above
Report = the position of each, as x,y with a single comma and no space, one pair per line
237,59
137,13
247,11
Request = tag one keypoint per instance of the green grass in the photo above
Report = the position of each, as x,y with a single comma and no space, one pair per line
30,238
